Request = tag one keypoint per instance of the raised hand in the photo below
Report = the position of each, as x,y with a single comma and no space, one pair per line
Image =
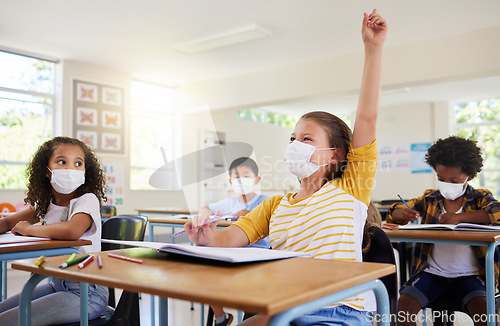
374,29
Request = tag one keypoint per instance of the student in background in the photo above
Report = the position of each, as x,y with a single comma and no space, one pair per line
244,176
373,218
336,168
441,268
66,186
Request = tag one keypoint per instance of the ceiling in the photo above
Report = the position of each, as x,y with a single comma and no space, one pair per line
137,36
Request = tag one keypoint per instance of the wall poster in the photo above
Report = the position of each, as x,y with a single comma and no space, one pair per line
98,116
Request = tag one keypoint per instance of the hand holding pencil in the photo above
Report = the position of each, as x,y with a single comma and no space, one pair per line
201,229
403,215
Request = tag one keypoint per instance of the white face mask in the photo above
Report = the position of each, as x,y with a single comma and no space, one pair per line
298,159
65,181
452,191
243,186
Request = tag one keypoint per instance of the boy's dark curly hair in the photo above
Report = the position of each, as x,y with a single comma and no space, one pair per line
39,191
456,152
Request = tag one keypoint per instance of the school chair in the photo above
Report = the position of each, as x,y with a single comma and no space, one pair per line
108,211
120,227
380,250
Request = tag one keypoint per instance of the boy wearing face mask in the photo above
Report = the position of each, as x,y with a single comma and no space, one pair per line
243,173
439,267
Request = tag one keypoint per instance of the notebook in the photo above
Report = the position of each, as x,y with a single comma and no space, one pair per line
230,255
455,227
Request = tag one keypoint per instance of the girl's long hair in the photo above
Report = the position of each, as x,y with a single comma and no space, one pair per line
39,192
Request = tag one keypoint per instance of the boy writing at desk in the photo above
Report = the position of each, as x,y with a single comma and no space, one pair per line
440,268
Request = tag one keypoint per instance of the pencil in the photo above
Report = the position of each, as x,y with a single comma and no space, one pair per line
213,219
86,261
134,260
404,202
74,261
71,257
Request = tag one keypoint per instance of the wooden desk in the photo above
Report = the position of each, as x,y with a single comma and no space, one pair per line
22,250
284,288
470,238
165,211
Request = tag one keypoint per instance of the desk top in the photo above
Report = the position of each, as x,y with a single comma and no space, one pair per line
182,221
484,236
41,245
166,210
262,287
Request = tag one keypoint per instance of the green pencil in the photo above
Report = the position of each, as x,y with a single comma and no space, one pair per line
74,261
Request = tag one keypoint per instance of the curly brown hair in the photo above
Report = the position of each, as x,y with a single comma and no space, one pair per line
39,192
339,135
456,152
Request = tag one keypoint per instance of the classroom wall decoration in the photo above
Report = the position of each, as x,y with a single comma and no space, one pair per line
115,175
98,116
418,164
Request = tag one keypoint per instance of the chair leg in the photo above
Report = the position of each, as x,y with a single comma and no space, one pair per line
210,317
127,312
112,298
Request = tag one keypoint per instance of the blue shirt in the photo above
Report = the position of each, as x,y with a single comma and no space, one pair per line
233,205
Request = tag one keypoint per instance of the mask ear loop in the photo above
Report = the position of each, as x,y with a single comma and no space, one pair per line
322,149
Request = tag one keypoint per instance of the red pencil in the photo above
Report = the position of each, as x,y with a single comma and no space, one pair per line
86,261
134,260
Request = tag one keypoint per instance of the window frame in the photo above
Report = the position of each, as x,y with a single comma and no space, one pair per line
52,106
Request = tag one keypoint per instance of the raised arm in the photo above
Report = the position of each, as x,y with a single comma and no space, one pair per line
374,31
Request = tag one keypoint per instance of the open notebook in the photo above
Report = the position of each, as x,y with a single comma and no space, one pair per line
455,227
231,255
8,237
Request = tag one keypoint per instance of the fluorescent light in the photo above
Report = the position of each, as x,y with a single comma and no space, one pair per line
227,38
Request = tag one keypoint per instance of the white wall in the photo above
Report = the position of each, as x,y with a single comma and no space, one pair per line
465,56
402,126
460,57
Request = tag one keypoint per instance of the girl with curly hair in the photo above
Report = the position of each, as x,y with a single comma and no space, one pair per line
65,189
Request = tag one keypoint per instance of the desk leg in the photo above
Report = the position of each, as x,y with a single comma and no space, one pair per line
152,303
490,283
25,299
377,286
163,306
3,285
84,304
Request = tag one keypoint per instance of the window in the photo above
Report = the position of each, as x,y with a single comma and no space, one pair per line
26,111
153,129
264,116
478,120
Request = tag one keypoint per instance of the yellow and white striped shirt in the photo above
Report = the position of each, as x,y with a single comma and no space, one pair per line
328,224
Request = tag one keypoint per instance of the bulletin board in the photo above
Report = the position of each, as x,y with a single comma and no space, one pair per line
98,116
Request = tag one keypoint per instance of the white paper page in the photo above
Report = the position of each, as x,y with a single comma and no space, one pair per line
477,227
233,255
8,237
411,226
